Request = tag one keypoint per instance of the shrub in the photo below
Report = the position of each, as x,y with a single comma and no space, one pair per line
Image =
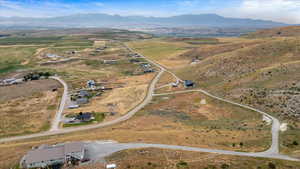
224,166
272,166
182,164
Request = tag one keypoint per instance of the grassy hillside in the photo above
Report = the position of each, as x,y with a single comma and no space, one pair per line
290,31
265,75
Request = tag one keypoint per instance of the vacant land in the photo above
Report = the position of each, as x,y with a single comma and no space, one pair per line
164,51
269,82
261,72
28,114
13,58
27,89
169,159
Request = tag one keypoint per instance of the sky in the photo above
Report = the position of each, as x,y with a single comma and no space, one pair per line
287,11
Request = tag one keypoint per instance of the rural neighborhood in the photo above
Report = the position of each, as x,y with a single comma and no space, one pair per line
149,85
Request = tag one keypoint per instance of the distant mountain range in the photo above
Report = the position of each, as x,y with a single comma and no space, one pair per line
117,21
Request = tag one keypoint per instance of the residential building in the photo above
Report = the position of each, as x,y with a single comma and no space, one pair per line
46,155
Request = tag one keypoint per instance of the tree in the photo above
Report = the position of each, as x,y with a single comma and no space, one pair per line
272,166
295,143
225,166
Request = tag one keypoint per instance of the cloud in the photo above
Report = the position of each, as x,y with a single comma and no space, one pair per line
277,10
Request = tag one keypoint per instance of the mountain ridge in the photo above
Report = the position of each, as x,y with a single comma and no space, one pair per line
106,20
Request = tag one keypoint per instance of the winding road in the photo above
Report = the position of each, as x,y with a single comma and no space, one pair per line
272,152
101,149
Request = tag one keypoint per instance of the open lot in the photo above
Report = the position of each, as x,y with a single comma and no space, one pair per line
169,159
28,114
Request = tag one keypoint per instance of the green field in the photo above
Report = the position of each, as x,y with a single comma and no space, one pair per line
12,58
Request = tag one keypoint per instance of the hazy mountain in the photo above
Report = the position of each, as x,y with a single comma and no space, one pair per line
117,21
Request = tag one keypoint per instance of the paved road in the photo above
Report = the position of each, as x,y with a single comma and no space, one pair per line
274,148
99,150
272,152
131,113
64,98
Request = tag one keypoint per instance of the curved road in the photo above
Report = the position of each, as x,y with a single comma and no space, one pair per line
274,148
131,113
272,152
100,149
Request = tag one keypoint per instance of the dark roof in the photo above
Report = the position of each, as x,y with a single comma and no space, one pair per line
188,83
84,116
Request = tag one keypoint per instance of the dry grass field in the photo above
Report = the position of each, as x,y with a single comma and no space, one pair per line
27,89
261,72
165,79
175,120
164,51
150,158
28,114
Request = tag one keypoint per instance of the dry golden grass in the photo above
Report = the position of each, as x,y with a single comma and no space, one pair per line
149,158
99,43
165,52
124,98
149,127
165,79
26,89
29,114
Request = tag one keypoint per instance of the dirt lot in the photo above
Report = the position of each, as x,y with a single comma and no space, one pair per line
27,89
169,159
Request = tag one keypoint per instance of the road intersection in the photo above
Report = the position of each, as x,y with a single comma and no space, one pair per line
272,152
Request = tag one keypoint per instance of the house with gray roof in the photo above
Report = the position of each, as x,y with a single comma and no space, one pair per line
46,155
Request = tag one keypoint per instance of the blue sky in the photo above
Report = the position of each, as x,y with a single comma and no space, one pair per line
278,10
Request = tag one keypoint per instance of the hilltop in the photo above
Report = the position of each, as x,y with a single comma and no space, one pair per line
289,31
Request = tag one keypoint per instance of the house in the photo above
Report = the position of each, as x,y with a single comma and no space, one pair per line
83,100
84,117
188,83
46,155
91,84
84,93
